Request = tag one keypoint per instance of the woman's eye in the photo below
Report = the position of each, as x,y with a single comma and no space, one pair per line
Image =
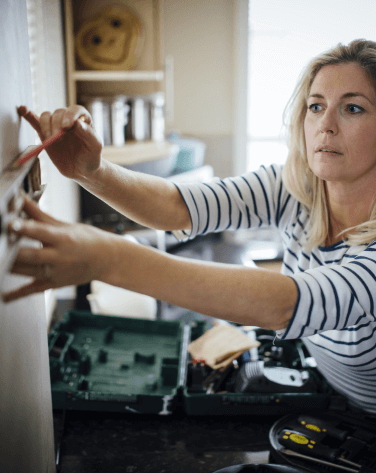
354,108
315,107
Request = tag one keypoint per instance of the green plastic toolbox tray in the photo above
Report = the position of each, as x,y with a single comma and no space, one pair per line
108,363
105,363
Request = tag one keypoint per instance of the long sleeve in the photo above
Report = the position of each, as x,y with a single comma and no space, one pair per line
255,199
335,297
335,312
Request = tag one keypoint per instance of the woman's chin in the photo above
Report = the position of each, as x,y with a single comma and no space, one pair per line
327,172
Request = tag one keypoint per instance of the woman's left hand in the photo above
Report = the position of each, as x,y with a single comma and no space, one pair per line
71,254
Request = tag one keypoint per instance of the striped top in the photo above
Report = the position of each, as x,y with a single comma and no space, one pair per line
335,310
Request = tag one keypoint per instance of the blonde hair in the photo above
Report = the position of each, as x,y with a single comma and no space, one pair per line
297,176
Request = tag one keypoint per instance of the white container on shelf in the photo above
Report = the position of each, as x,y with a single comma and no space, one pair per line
119,119
140,118
99,109
157,119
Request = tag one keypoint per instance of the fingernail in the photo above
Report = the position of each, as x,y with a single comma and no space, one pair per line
66,122
16,225
81,123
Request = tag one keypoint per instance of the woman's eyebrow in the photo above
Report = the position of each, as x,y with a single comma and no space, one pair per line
344,96
356,94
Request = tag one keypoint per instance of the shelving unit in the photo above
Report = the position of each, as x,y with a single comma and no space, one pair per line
121,76
125,155
147,77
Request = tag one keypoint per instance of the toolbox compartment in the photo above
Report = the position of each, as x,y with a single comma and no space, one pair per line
104,363
118,364
228,402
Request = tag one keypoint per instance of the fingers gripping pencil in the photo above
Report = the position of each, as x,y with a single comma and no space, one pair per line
34,121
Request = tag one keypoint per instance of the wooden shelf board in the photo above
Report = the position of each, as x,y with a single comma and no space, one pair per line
153,76
139,152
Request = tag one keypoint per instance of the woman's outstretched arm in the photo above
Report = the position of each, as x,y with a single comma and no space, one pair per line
76,254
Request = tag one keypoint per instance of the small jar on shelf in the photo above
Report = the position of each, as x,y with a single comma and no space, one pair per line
123,118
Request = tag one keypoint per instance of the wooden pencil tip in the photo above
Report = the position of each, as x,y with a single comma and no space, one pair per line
14,166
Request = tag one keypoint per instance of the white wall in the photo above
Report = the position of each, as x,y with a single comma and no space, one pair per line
26,424
199,35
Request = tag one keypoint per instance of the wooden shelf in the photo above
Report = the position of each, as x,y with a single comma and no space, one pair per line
139,152
118,76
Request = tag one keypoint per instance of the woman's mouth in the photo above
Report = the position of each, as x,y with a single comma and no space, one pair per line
327,150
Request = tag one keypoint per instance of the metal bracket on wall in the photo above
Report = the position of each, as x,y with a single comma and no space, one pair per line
15,183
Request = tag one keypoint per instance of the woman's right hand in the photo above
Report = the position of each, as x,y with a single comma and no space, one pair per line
77,154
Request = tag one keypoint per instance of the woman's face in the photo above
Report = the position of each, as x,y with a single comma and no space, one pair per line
340,125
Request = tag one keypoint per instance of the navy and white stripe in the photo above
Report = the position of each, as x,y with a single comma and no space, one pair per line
336,309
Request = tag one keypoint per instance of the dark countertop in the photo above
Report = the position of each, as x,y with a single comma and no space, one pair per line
131,443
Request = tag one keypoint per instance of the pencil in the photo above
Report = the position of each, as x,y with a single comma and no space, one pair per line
34,152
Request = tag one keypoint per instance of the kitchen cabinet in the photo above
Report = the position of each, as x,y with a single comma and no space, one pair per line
147,77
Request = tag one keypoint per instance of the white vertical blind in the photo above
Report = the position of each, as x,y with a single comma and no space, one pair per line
37,43
283,36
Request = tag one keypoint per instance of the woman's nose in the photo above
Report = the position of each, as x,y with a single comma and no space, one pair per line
328,123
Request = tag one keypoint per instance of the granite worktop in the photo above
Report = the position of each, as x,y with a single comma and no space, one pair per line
129,443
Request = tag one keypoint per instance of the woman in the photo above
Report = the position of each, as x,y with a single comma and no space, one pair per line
323,203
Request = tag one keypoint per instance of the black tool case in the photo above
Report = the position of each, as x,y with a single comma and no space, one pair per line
105,363
325,442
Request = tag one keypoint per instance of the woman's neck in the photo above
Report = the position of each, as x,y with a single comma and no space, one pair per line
347,208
